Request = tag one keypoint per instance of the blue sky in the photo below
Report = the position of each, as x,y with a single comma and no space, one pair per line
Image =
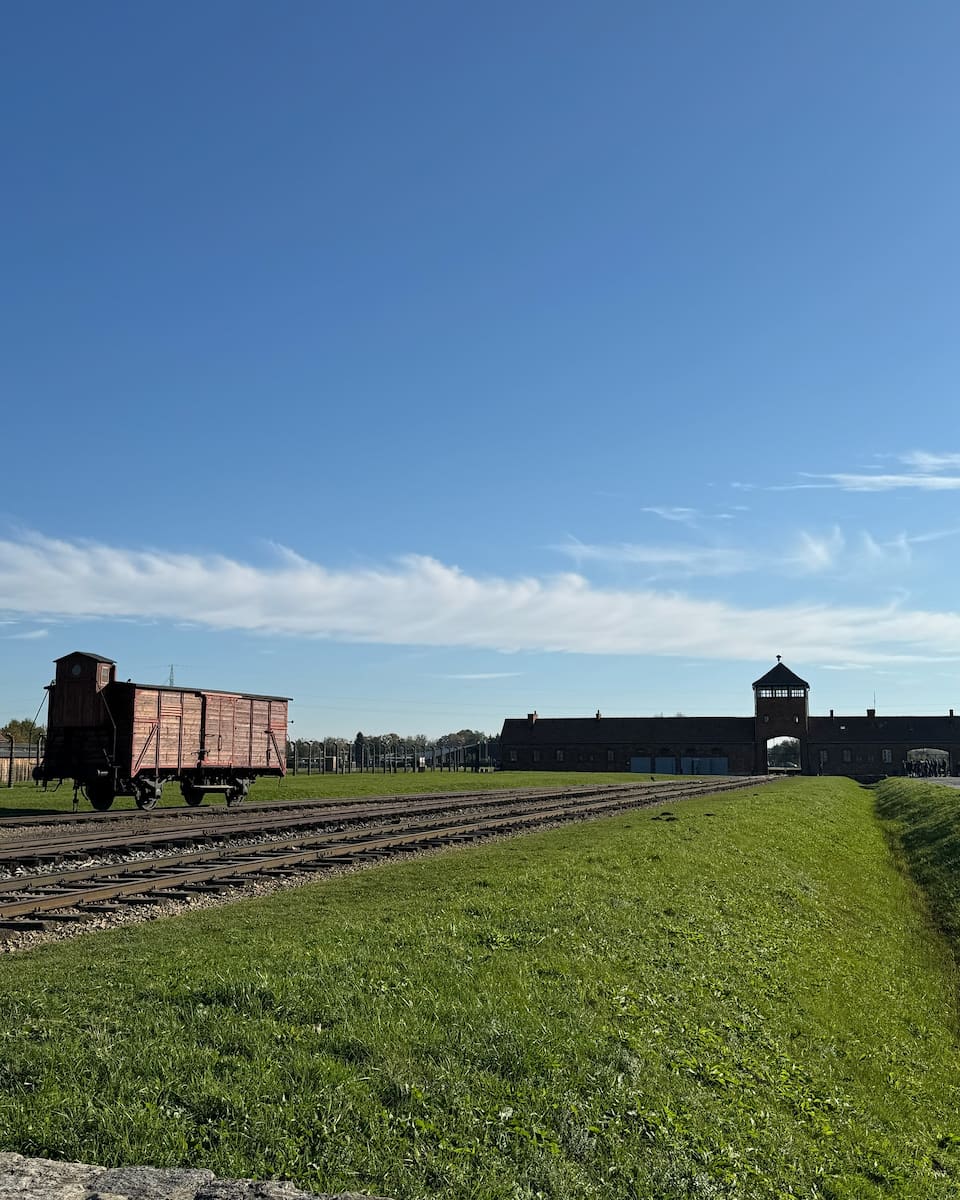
432,363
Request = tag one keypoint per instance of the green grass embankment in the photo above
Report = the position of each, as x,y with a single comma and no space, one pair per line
923,821
731,997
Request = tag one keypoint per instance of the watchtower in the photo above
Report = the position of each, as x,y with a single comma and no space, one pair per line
781,701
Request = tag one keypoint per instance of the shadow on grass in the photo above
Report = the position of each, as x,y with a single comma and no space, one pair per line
23,811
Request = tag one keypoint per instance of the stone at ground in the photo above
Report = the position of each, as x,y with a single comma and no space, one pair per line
43,1179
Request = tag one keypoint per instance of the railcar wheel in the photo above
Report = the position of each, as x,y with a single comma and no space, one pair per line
235,797
100,795
191,794
147,795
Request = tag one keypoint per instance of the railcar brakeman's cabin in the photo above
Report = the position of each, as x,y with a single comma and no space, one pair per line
116,738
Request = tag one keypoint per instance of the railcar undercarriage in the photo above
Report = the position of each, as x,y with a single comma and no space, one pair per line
147,790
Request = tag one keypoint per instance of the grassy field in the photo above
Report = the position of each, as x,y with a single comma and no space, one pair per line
737,996
26,798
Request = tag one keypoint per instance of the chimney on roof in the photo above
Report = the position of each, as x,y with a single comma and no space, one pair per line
598,714
531,717
831,712
871,712
951,712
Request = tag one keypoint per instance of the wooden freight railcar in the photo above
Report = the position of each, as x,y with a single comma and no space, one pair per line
114,738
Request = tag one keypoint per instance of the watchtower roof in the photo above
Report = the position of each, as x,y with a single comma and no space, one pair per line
781,676
86,654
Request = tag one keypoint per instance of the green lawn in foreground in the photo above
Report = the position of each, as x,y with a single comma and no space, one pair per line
737,996
25,798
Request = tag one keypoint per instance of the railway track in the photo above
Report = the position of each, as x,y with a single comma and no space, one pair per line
149,866
135,830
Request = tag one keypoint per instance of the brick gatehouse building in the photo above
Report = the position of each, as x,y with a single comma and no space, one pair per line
865,746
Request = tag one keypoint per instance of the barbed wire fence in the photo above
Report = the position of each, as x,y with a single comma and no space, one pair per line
19,759
386,756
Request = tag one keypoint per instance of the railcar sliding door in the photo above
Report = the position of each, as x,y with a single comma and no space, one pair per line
220,729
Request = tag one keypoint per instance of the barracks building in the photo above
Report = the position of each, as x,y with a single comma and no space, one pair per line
863,746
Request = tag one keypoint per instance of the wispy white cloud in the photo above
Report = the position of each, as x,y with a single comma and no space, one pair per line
677,560
483,675
812,553
420,601
691,516
935,535
924,473
876,483
686,516
815,553
29,636
922,460
834,552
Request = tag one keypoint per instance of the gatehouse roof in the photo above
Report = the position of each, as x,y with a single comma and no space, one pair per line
781,676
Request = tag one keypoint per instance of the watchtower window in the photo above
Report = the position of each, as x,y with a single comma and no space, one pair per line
797,693
766,693
781,692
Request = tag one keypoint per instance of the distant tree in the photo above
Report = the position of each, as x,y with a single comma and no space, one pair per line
464,737
24,730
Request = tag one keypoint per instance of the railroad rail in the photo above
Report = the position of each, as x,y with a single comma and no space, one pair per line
201,813
138,830
301,842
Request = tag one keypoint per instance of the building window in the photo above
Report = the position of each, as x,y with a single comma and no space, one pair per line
847,756
766,693
824,757
781,692
513,755
559,756
797,693
609,756
887,756
536,756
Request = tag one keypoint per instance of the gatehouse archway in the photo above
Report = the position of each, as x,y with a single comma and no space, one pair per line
927,762
783,755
